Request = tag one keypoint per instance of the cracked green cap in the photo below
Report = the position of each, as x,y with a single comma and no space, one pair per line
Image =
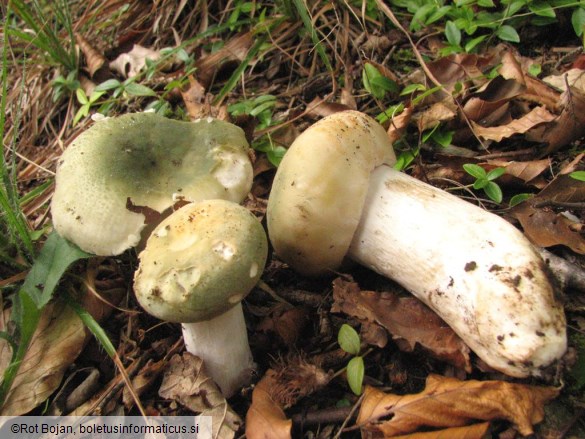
149,162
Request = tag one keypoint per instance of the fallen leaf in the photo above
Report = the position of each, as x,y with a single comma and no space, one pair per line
474,431
318,108
408,320
187,382
281,388
265,418
573,78
438,112
567,127
545,227
94,59
286,322
131,63
399,124
448,402
58,340
234,50
525,171
536,116
199,103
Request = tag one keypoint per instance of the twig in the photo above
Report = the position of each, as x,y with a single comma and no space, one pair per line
570,275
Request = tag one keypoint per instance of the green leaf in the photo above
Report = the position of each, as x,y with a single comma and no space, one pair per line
55,257
508,33
472,44
578,175
495,173
81,96
486,3
349,339
475,170
535,69
519,198
578,21
108,85
376,83
139,90
411,88
452,33
276,155
355,374
443,138
543,9
480,183
493,191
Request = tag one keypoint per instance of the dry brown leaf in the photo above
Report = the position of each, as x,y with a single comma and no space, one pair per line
438,112
448,402
265,418
199,103
474,431
536,116
525,171
409,321
543,225
318,108
131,63
567,127
285,321
398,124
58,340
234,50
93,58
186,381
281,388
573,77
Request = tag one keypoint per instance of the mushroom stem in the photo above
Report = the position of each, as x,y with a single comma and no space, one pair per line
473,268
222,343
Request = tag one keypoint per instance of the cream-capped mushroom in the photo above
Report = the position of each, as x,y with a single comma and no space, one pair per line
335,195
197,266
135,163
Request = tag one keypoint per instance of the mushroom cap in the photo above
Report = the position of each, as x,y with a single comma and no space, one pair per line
200,261
320,187
148,161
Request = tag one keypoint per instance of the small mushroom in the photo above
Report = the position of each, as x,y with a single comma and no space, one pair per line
334,194
197,266
124,167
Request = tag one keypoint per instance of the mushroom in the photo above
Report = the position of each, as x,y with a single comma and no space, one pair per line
336,194
123,168
197,266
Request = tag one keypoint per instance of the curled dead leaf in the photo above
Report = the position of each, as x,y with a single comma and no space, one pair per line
408,320
187,382
281,388
131,63
448,402
535,117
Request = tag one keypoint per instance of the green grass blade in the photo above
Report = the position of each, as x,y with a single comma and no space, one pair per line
91,324
306,19
235,77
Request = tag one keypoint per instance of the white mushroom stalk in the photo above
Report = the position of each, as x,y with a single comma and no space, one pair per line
197,266
335,194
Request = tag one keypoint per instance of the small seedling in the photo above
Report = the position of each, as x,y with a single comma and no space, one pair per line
86,103
485,180
578,175
349,341
376,83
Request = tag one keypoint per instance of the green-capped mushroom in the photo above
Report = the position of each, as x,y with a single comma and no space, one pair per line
197,266
123,167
